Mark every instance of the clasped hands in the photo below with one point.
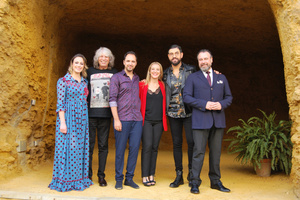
(213, 106)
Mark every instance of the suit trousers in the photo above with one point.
(152, 132)
(176, 125)
(100, 127)
(131, 132)
(213, 137)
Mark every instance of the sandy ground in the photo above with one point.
(242, 180)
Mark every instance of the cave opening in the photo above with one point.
(242, 36)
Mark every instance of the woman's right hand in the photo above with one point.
(63, 128)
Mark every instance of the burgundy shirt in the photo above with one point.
(124, 94)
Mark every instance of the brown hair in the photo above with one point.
(83, 73)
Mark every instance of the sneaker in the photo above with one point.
(131, 183)
(119, 185)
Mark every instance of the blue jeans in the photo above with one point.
(132, 131)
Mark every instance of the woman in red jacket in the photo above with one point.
(153, 106)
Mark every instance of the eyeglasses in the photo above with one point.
(174, 54)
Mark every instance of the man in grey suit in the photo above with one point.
(208, 94)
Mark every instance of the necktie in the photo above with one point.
(208, 78)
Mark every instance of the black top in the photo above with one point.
(154, 105)
(98, 99)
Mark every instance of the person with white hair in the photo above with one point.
(99, 110)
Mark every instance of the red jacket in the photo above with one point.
(143, 97)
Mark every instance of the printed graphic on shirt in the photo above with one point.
(100, 90)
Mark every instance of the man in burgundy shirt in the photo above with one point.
(125, 106)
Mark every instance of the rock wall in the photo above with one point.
(288, 22)
(28, 40)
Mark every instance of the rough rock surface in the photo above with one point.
(288, 19)
(255, 44)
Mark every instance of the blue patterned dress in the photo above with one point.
(71, 159)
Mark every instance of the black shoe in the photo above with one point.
(102, 182)
(151, 180)
(119, 185)
(219, 186)
(188, 176)
(146, 182)
(195, 189)
(178, 180)
(131, 183)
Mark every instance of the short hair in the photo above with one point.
(203, 51)
(83, 72)
(173, 46)
(107, 52)
(130, 52)
(148, 77)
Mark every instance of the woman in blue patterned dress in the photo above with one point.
(71, 159)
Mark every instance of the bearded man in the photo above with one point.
(208, 93)
(178, 112)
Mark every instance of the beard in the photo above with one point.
(175, 61)
(129, 68)
(205, 67)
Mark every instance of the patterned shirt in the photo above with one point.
(99, 83)
(124, 94)
(69, 92)
(176, 106)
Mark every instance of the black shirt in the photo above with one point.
(154, 104)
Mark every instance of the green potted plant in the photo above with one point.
(263, 138)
